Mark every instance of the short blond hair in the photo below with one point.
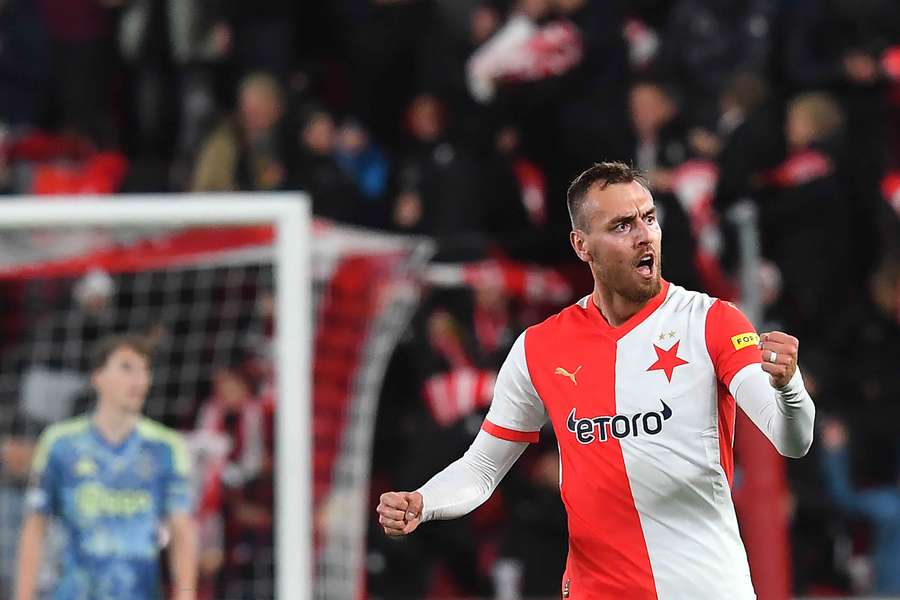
(822, 110)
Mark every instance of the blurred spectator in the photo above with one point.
(806, 188)
(192, 37)
(25, 65)
(838, 45)
(661, 147)
(880, 506)
(862, 350)
(746, 139)
(334, 191)
(247, 151)
(360, 157)
(439, 188)
(81, 40)
(383, 42)
(661, 136)
(263, 35)
(707, 42)
(534, 542)
(240, 487)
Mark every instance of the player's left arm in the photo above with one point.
(180, 521)
(762, 375)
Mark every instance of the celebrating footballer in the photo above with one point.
(640, 381)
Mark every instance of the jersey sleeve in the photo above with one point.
(46, 476)
(731, 340)
(517, 412)
(178, 496)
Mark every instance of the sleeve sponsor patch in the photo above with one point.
(743, 340)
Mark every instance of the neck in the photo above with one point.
(615, 308)
(114, 425)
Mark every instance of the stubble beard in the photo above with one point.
(624, 283)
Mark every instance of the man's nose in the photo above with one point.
(643, 235)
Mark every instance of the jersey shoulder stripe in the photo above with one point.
(156, 432)
(52, 435)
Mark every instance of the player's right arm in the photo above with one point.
(515, 418)
(41, 500)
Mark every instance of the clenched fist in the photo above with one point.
(779, 356)
(400, 512)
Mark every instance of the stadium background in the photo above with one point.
(770, 130)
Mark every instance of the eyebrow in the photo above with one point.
(631, 216)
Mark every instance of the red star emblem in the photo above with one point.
(667, 360)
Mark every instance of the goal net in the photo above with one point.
(274, 388)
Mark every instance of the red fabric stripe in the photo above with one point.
(726, 431)
(510, 435)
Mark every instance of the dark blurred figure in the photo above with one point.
(879, 506)
(660, 148)
(25, 65)
(456, 29)
(248, 151)
(838, 45)
(555, 67)
(383, 41)
(442, 370)
(364, 160)
(806, 188)
(84, 61)
(745, 141)
(706, 42)
(240, 486)
(863, 347)
(335, 194)
(263, 35)
(173, 46)
(534, 543)
(439, 189)
(661, 137)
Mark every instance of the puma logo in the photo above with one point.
(564, 373)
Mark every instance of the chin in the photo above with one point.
(646, 290)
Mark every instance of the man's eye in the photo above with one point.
(621, 227)
(651, 219)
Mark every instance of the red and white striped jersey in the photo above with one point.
(644, 420)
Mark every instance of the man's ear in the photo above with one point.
(578, 241)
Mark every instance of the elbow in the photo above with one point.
(798, 449)
(794, 452)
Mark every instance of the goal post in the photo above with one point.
(289, 215)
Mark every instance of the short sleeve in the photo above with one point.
(517, 413)
(731, 340)
(178, 496)
(44, 484)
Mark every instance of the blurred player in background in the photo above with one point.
(118, 484)
(640, 381)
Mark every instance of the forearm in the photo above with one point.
(183, 557)
(785, 415)
(468, 482)
(30, 547)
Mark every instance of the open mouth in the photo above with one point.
(645, 265)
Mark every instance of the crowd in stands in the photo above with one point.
(464, 120)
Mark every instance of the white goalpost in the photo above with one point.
(290, 256)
